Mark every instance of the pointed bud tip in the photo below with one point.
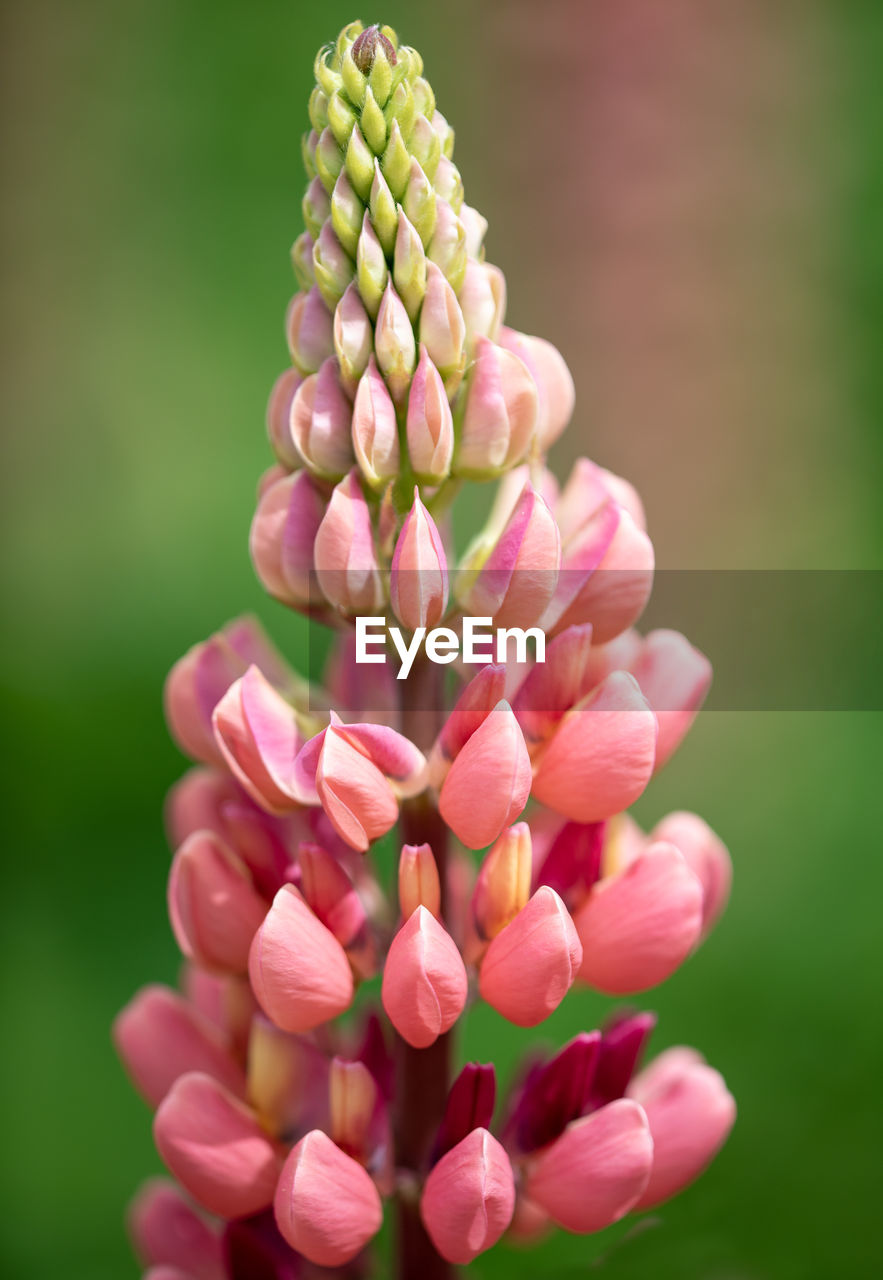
(365, 46)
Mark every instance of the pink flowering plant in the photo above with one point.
(304, 1076)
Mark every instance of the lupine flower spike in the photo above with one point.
(292, 1107)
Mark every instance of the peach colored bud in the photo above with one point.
(353, 338)
(690, 1112)
(166, 1231)
(326, 1205)
(320, 423)
(418, 584)
(674, 678)
(329, 893)
(394, 344)
(256, 730)
(601, 758)
(489, 782)
(354, 793)
(706, 856)
(213, 904)
(469, 1198)
(503, 885)
(424, 980)
(279, 418)
(475, 703)
(215, 1147)
(430, 425)
(419, 884)
(596, 1171)
(483, 301)
(282, 536)
(555, 390)
(500, 414)
(442, 328)
(159, 1036)
(530, 966)
(309, 330)
(299, 971)
(638, 925)
(346, 564)
(518, 578)
(375, 430)
(353, 1097)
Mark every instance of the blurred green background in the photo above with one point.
(687, 198)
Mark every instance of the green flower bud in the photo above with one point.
(373, 123)
(329, 159)
(380, 77)
(396, 162)
(332, 266)
(401, 107)
(424, 97)
(372, 272)
(341, 118)
(359, 164)
(308, 150)
(394, 344)
(419, 202)
(347, 38)
(354, 82)
(409, 267)
(384, 214)
(328, 79)
(318, 109)
(302, 260)
(316, 207)
(425, 146)
(347, 212)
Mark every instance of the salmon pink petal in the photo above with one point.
(530, 966)
(262, 764)
(489, 782)
(354, 793)
(469, 1198)
(674, 678)
(167, 1231)
(424, 980)
(419, 576)
(706, 855)
(214, 907)
(326, 1205)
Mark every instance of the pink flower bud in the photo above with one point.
(552, 687)
(500, 414)
(489, 782)
(639, 924)
(606, 575)
(690, 1112)
(215, 1147)
(344, 551)
(309, 330)
(601, 758)
(256, 730)
(375, 430)
(167, 1231)
(213, 904)
(409, 265)
(329, 893)
(424, 980)
(279, 418)
(326, 1205)
(530, 966)
(447, 249)
(332, 265)
(159, 1037)
(469, 1198)
(503, 885)
(353, 337)
(483, 300)
(475, 227)
(353, 1098)
(419, 884)
(674, 678)
(596, 1171)
(299, 971)
(394, 344)
(518, 578)
(555, 390)
(706, 856)
(283, 533)
(442, 328)
(430, 424)
(194, 803)
(418, 586)
(475, 703)
(320, 423)
(194, 686)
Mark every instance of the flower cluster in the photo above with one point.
(289, 1101)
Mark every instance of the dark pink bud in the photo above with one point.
(470, 1105)
(556, 1093)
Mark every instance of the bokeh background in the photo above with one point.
(687, 198)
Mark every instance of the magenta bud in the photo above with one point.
(309, 330)
(213, 904)
(500, 414)
(572, 862)
(622, 1044)
(530, 966)
(214, 1146)
(469, 1198)
(424, 980)
(375, 429)
(279, 418)
(418, 586)
(168, 1232)
(320, 423)
(430, 425)
(160, 1036)
(346, 564)
(326, 1205)
(282, 536)
(556, 1093)
(470, 1105)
